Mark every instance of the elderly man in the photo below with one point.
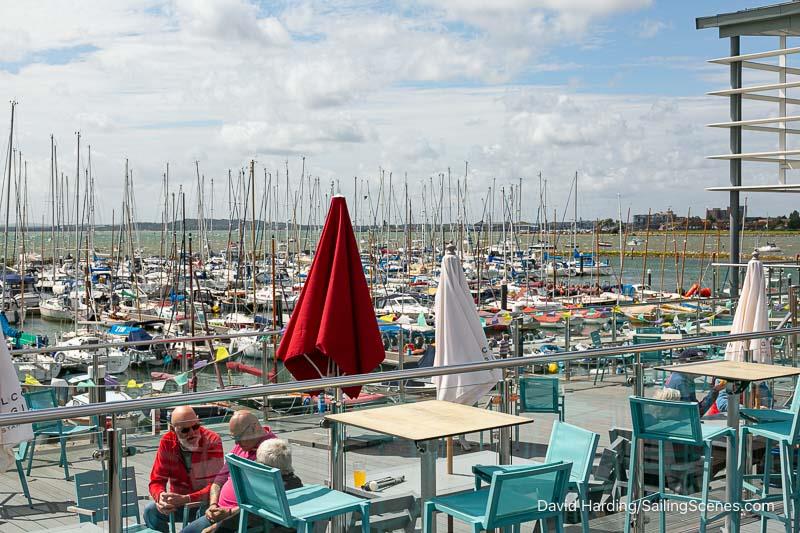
(247, 434)
(189, 457)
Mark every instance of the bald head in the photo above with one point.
(183, 414)
(246, 429)
(186, 426)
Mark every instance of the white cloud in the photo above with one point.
(649, 28)
(353, 88)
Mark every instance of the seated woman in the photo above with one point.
(272, 452)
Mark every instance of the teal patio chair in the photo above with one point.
(677, 423)
(781, 427)
(19, 456)
(657, 357)
(91, 496)
(568, 444)
(601, 362)
(259, 491)
(46, 399)
(526, 494)
(540, 394)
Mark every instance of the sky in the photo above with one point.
(613, 90)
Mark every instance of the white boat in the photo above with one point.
(41, 367)
(769, 247)
(115, 361)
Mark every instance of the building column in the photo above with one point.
(735, 167)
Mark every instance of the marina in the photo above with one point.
(420, 267)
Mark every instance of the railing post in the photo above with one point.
(614, 325)
(401, 361)
(637, 484)
(518, 352)
(793, 309)
(97, 393)
(265, 375)
(114, 481)
(336, 459)
(567, 343)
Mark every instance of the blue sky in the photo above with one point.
(612, 89)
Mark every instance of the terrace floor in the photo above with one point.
(597, 408)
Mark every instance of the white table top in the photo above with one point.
(427, 420)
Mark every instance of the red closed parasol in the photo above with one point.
(333, 331)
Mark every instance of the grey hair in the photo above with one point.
(276, 453)
(667, 394)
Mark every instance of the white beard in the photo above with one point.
(188, 446)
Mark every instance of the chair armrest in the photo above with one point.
(81, 511)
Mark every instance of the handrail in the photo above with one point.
(147, 404)
(125, 344)
(228, 336)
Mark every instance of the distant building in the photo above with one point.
(656, 219)
(721, 214)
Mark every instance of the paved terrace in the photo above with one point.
(597, 408)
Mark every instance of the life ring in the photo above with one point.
(693, 289)
(408, 348)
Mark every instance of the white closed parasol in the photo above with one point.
(11, 401)
(459, 337)
(751, 315)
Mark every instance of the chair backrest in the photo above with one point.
(538, 394)
(525, 494)
(43, 399)
(794, 408)
(572, 444)
(91, 493)
(665, 420)
(259, 487)
(655, 355)
(650, 329)
(596, 341)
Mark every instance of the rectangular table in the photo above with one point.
(735, 373)
(425, 423)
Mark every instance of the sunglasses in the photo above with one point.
(244, 435)
(187, 429)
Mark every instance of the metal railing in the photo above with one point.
(336, 466)
(253, 391)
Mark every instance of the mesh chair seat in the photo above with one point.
(778, 431)
(716, 432)
(67, 430)
(465, 505)
(311, 500)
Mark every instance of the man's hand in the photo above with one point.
(215, 513)
(719, 385)
(174, 499)
(163, 505)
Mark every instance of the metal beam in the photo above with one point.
(755, 88)
(768, 98)
(739, 155)
(770, 68)
(735, 166)
(794, 188)
(770, 120)
(757, 55)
